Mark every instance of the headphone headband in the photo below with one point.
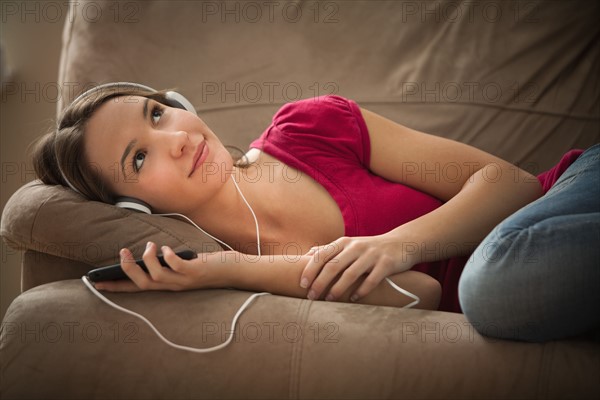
(173, 99)
(117, 86)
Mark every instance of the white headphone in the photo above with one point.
(173, 99)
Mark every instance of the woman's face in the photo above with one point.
(167, 157)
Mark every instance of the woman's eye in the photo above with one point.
(157, 112)
(138, 160)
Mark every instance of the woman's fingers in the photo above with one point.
(320, 255)
(376, 274)
(327, 275)
(352, 273)
(155, 269)
(157, 278)
(133, 270)
(339, 265)
(176, 263)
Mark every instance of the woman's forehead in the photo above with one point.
(109, 129)
(117, 112)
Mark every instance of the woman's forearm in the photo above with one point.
(281, 274)
(458, 226)
(270, 273)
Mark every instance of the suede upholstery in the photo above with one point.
(517, 79)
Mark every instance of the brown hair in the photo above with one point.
(60, 154)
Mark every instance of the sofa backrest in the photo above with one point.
(517, 79)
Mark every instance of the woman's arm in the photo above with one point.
(479, 191)
(273, 274)
(281, 274)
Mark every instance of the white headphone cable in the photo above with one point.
(240, 310)
(86, 281)
(247, 303)
(253, 215)
(216, 239)
(405, 292)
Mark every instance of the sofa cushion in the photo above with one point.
(59, 222)
(284, 348)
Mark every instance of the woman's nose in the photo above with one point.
(179, 141)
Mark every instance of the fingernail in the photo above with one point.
(329, 297)
(312, 295)
(163, 248)
(148, 244)
(304, 283)
(354, 297)
(123, 254)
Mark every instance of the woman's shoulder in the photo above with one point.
(316, 112)
(329, 125)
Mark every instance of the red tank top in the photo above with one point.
(326, 137)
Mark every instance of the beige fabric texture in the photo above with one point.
(284, 348)
(517, 79)
(57, 225)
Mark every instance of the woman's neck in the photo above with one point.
(228, 217)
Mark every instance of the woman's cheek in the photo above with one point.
(159, 188)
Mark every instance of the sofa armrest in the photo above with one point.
(40, 268)
(65, 235)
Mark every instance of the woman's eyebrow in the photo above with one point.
(126, 153)
(145, 108)
(134, 141)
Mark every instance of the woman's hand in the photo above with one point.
(348, 258)
(182, 274)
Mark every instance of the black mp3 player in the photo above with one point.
(115, 272)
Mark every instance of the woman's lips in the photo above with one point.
(199, 157)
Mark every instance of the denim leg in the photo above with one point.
(536, 276)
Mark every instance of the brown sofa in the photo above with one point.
(517, 79)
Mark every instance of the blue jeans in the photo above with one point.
(536, 276)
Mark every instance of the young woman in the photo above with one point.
(356, 196)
